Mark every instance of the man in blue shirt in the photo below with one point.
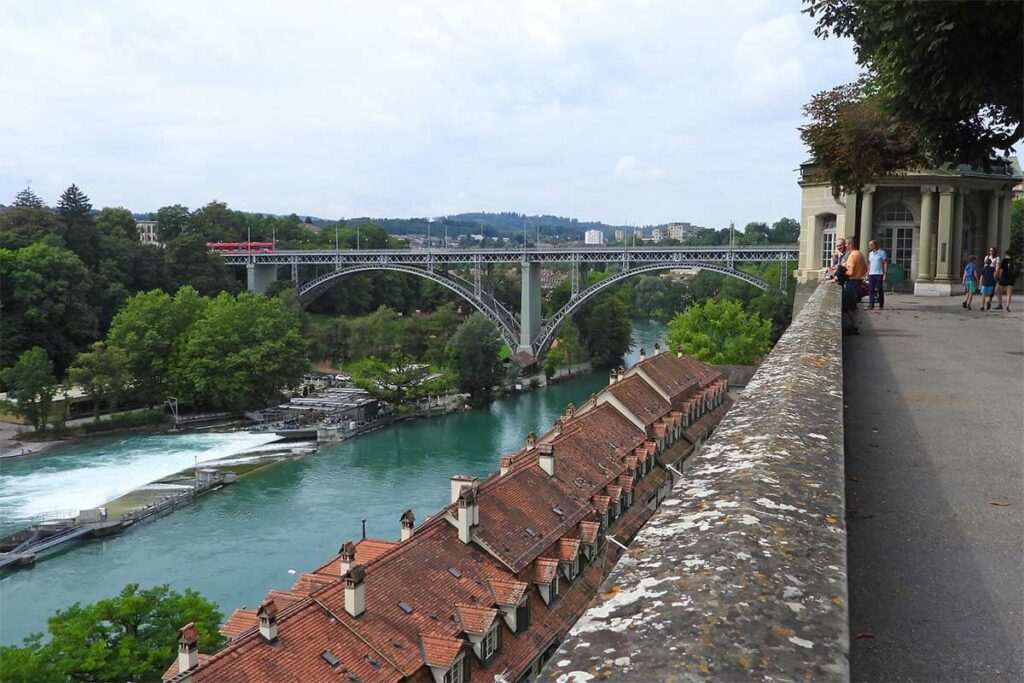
(878, 268)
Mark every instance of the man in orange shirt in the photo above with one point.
(856, 271)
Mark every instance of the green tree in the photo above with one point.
(570, 341)
(1017, 229)
(102, 373)
(172, 222)
(398, 380)
(554, 359)
(239, 353)
(377, 334)
(475, 349)
(718, 331)
(75, 212)
(947, 75)
(608, 330)
(46, 294)
(148, 330)
(27, 199)
(190, 263)
(117, 222)
(129, 637)
(32, 384)
(784, 231)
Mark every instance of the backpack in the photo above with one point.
(1010, 271)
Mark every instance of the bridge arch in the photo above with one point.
(485, 303)
(551, 325)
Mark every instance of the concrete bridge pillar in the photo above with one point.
(259, 277)
(529, 312)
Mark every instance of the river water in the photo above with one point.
(236, 544)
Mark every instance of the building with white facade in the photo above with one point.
(928, 221)
(147, 232)
(593, 237)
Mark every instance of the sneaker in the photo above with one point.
(964, 304)
(999, 307)
(988, 305)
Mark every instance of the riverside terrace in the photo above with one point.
(489, 585)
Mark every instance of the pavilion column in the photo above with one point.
(956, 257)
(847, 222)
(944, 250)
(1003, 242)
(993, 219)
(925, 259)
(867, 213)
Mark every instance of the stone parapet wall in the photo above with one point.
(741, 574)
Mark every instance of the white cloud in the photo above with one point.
(411, 108)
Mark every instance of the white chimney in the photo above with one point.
(558, 427)
(643, 354)
(570, 411)
(347, 557)
(458, 481)
(531, 440)
(469, 514)
(657, 348)
(188, 647)
(355, 595)
(679, 354)
(612, 377)
(547, 459)
(267, 615)
(505, 464)
(407, 522)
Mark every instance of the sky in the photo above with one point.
(625, 111)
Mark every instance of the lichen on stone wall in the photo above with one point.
(741, 574)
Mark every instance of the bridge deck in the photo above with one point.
(936, 493)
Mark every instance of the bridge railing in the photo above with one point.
(741, 574)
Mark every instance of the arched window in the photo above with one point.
(895, 231)
(828, 239)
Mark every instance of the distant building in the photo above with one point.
(658, 235)
(620, 235)
(147, 232)
(485, 589)
(680, 231)
(593, 237)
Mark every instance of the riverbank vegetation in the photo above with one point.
(129, 637)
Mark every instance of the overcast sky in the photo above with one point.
(622, 111)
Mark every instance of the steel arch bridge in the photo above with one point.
(526, 332)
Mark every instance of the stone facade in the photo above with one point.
(965, 210)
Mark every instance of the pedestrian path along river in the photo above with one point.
(237, 544)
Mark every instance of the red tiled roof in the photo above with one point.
(241, 620)
(475, 619)
(614, 492)
(588, 531)
(568, 549)
(508, 592)
(640, 398)
(440, 651)
(658, 430)
(172, 670)
(602, 503)
(370, 549)
(545, 569)
(626, 482)
(310, 583)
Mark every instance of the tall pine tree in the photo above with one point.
(80, 232)
(27, 199)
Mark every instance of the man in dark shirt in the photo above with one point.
(1006, 277)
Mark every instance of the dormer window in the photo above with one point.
(490, 644)
(456, 674)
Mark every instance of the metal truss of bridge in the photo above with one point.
(470, 274)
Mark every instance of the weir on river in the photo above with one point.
(237, 544)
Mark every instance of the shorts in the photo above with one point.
(987, 290)
(1004, 289)
(970, 287)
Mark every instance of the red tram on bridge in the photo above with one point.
(241, 247)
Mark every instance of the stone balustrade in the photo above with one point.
(741, 575)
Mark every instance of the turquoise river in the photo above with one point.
(236, 544)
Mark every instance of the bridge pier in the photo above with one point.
(259, 277)
(529, 312)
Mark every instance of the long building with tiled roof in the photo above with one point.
(489, 585)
